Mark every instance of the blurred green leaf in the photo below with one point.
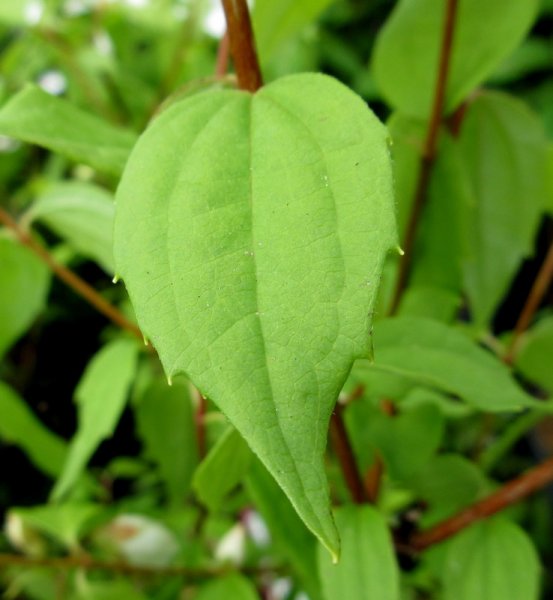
(63, 522)
(101, 396)
(233, 587)
(504, 149)
(431, 302)
(532, 55)
(222, 469)
(406, 55)
(82, 214)
(367, 569)
(431, 354)
(166, 424)
(275, 22)
(243, 310)
(116, 589)
(290, 536)
(21, 427)
(533, 359)
(36, 117)
(492, 560)
(24, 285)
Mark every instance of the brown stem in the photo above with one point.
(429, 153)
(510, 493)
(242, 45)
(90, 564)
(70, 278)
(373, 477)
(539, 288)
(223, 52)
(346, 458)
(200, 424)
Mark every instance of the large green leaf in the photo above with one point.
(427, 353)
(101, 396)
(19, 426)
(24, 284)
(250, 231)
(274, 22)
(36, 117)
(367, 569)
(222, 469)
(407, 50)
(493, 560)
(82, 214)
(166, 424)
(504, 148)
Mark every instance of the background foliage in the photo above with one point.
(114, 484)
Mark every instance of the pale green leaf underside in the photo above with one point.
(250, 231)
(406, 55)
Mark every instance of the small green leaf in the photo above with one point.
(19, 426)
(493, 560)
(290, 536)
(266, 324)
(101, 396)
(407, 51)
(63, 522)
(533, 359)
(431, 354)
(166, 424)
(222, 469)
(116, 589)
(24, 284)
(235, 587)
(430, 302)
(504, 149)
(36, 117)
(274, 22)
(367, 569)
(82, 214)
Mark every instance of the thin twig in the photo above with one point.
(70, 278)
(242, 45)
(64, 563)
(538, 291)
(512, 492)
(223, 55)
(373, 477)
(346, 458)
(429, 153)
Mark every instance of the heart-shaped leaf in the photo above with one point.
(250, 231)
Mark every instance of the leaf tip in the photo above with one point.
(116, 278)
(400, 251)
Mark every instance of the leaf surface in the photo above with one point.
(492, 560)
(407, 50)
(36, 117)
(367, 569)
(24, 285)
(82, 214)
(250, 231)
(101, 395)
(234, 586)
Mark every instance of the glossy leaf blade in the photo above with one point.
(24, 284)
(101, 396)
(492, 561)
(36, 117)
(250, 231)
(407, 51)
(367, 569)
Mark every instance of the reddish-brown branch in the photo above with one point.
(64, 563)
(200, 424)
(242, 46)
(538, 291)
(346, 458)
(223, 55)
(70, 278)
(510, 493)
(429, 153)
